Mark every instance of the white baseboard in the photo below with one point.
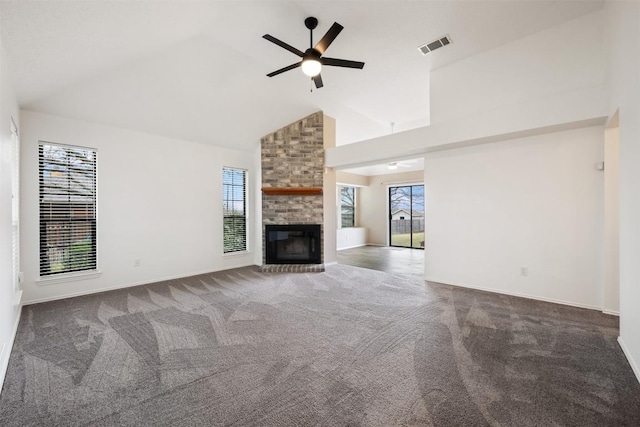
(611, 312)
(17, 298)
(632, 362)
(128, 285)
(5, 354)
(516, 294)
(351, 247)
(4, 365)
(375, 244)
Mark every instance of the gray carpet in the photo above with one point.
(346, 347)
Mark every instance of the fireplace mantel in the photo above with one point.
(291, 191)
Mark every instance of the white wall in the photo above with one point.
(552, 79)
(9, 313)
(329, 195)
(353, 179)
(159, 200)
(611, 237)
(351, 237)
(257, 200)
(374, 203)
(561, 59)
(534, 202)
(623, 43)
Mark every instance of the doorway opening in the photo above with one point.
(406, 216)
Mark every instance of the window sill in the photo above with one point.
(67, 277)
(239, 253)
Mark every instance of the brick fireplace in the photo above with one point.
(293, 180)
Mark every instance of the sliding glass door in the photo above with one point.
(406, 216)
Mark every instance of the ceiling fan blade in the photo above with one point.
(341, 63)
(283, 45)
(282, 70)
(318, 81)
(328, 38)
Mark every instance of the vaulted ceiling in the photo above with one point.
(195, 70)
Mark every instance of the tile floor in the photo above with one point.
(390, 259)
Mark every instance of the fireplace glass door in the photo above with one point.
(292, 244)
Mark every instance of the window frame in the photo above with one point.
(354, 197)
(244, 218)
(68, 273)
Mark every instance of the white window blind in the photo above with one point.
(67, 209)
(15, 204)
(234, 200)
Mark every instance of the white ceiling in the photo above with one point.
(195, 70)
(406, 165)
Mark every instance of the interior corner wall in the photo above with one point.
(353, 179)
(564, 58)
(622, 36)
(159, 201)
(533, 203)
(374, 204)
(9, 313)
(256, 222)
(329, 195)
(611, 237)
(548, 79)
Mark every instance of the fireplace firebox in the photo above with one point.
(293, 244)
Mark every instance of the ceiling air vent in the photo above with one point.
(436, 44)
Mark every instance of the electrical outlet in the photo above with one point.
(524, 271)
(136, 262)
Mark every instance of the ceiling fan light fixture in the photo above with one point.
(312, 59)
(311, 67)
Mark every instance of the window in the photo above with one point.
(15, 204)
(347, 206)
(67, 209)
(234, 201)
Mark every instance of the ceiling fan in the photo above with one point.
(395, 165)
(312, 59)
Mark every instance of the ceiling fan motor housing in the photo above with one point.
(311, 53)
(311, 23)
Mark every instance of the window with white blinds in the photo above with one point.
(234, 201)
(67, 209)
(15, 204)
